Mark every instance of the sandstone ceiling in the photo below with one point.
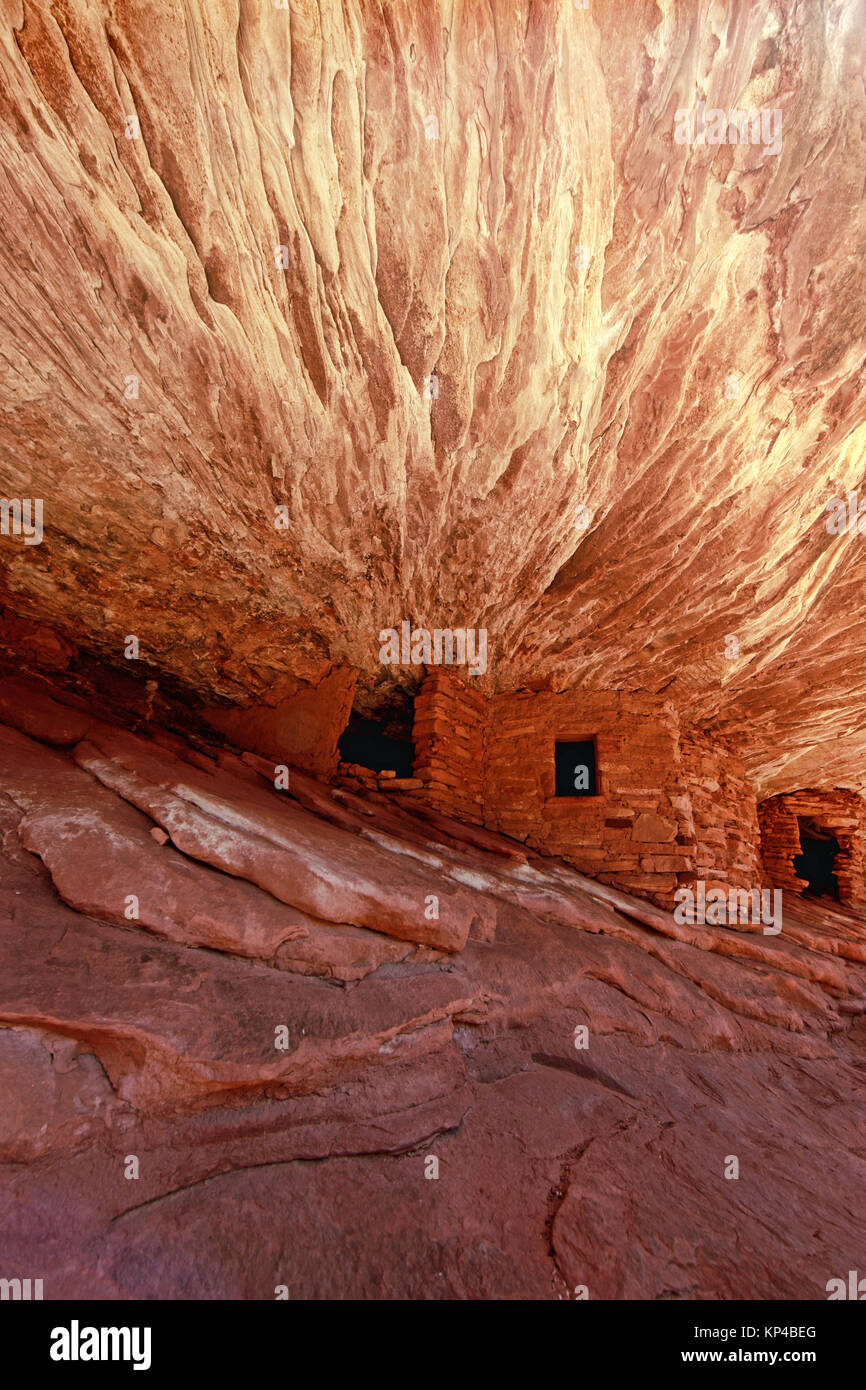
(649, 356)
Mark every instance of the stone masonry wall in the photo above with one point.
(636, 833)
(671, 807)
(448, 733)
(841, 812)
(725, 813)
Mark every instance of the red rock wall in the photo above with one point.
(448, 733)
(671, 808)
(304, 729)
(842, 812)
(724, 811)
(635, 833)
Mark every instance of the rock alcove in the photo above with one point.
(324, 321)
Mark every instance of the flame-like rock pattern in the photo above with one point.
(317, 317)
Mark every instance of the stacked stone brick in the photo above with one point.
(673, 805)
(631, 833)
(840, 812)
(359, 778)
(724, 813)
(448, 733)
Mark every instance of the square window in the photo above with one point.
(575, 768)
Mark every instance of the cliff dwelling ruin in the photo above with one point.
(432, 696)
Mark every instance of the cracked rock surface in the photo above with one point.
(284, 1078)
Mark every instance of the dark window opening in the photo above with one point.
(364, 742)
(575, 768)
(816, 862)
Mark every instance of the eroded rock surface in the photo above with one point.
(281, 1077)
(240, 242)
(322, 317)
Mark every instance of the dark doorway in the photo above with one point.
(575, 768)
(817, 860)
(364, 742)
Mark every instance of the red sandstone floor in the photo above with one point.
(304, 1167)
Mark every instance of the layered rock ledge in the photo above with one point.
(283, 1004)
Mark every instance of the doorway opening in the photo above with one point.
(371, 743)
(817, 860)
